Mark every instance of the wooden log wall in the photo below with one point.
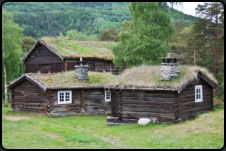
(95, 65)
(84, 101)
(94, 102)
(107, 66)
(64, 109)
(148, 104)
(42, 56)
(28, 97)
(187, 107)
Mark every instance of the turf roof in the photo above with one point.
(142, 77)
(147, 77)
(73, 49)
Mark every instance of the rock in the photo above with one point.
(110, 123)
(144, 121)
(204, 115)
(153, 120)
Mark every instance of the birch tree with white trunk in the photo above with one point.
(11, 49)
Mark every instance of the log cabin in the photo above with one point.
(140, 93)
(62, 93)
(58, 54)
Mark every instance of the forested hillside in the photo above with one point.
(40, 19)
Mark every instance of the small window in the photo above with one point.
(198, 93)
(64, 97)
(107, 96)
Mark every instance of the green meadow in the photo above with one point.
(90, 131)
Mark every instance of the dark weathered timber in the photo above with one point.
(205, 108)
(24, 98)
(192, 98)
(154, 94)
(150, 110)
(164, 107)
(43, 60)
(43, 55)
(138, 104)
(95, 102)
(148, 102)
(114, 103)
(147, 115)
(188, 108)
(150, 99)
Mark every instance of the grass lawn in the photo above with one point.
(90, 131)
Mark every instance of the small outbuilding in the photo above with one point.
(61, 94)
(58, 55)
(140, 92)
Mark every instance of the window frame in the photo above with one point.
(201, 93)
(106, 92)
(64, 102)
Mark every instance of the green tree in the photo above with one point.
(28, 42)
(208, 32)
(145, 36)
(75, 35)
(110, 34)
(11, 49)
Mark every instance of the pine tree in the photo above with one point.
(211, 27)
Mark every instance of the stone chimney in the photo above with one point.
(169, 67)
(82, 71)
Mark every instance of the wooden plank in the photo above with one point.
(31, 110)
(149, 106)
(31, 104)
(192, 99)
(148, 103)
(94, 97)
(67, 105)
(193, 102)
(147, 94)
(205, 108)
(150, 110)
(206, 95)
(66, 109)
(151, 99)
(195, 105)
(137, 116)
(192, 88)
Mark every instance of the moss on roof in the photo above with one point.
(135, 78)
(148, 77)
(71, 49)
(68, 79)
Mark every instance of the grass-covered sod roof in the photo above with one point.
(148, 77)
(72, 49)
(68, 79)
(142, 77)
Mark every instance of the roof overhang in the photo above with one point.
(44, 44)
(22, 78)
(74, 87)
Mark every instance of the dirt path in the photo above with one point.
(15, 118)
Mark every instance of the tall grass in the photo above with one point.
(90, 131)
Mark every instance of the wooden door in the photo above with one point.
(114, 103)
